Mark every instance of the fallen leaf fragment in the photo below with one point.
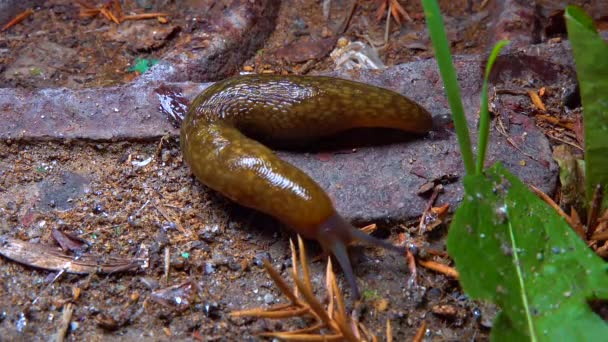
(69, 242)
(178, 297)
(50, 258)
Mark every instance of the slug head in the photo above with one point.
(336, 233)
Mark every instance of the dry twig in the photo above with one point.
(112, 11)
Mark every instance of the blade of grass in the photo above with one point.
(448, 75)
(484, 113)
(589, 50)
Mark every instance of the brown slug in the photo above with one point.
(217, 143)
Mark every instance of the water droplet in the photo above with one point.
(482, 235)
(476, 313)
(500, 214)
(539, 256)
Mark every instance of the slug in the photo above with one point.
(217, 141)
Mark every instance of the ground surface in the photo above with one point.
(133, 197)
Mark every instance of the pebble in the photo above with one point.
(209, 268)
(259, 258)
(212, 310)
(268, 298)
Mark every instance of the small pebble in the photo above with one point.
(233, 265)
(433, 294)
(209, 268)
(259, 258)
(98, 209)
(212, 310)
(150, 283)
(268, 298)
(74, 326)
(165, 156)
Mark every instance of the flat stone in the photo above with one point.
(232, 31)
(378, 182)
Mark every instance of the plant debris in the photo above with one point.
(49, 258)
(112, 10)
(331, 322)
(393, 8)
(17, 19)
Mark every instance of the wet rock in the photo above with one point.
(230, 34)
(515, 21)
(306, 48)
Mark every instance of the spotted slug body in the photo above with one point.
(217, 140)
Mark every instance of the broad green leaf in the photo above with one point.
(590, 53)
(516, 251)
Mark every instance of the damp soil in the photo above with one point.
(130, 199)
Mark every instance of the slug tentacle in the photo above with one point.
(217, 142)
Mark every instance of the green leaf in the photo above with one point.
(484, 113)
(448, 75)
(513, 249)
(590, 53)
(142, 65)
